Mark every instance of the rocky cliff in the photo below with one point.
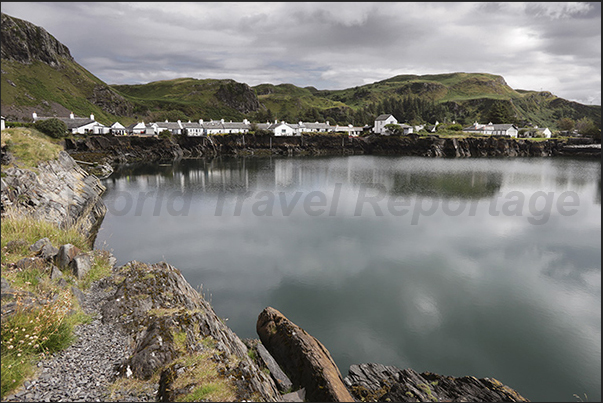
(60, 192)
(115, 150)
(24, 42)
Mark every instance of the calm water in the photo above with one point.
(483, 267)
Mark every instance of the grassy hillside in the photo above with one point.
(46, 90)
(182, 98)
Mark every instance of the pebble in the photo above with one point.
(84, 370)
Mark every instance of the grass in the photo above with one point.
(30, 147)
(35, 331)
(202, 379)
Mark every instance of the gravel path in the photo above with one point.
(82, 372)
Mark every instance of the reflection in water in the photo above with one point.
(228, 174)
(489, 293)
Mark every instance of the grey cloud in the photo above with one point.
(330, 45)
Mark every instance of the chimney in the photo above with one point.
(200, 121)
(71, 116)
(34, 115)
(221, 120)
(91, 117)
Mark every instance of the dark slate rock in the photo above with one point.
(282, 381)
(376, 382)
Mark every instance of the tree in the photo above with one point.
(394, 129)
(165, 134)
(566, 124)
(587, 127)
(500, 112)
(52, 127)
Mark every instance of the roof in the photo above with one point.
(383, 117)
(71, 123)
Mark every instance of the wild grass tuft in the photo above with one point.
(35, 330)
(29, 146)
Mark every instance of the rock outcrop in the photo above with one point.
(380, 383)
(303, 358)
(155, 305)
(60, 192)
(238, 96)
(24, 42)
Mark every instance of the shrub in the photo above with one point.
(52, 127)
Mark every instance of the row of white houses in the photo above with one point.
(507, 130)
(77, 125)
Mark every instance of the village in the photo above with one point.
(384, 125)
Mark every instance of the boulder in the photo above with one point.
(80, 265)
(302, 357)
(65, 255)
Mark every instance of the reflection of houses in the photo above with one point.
(386, 119)
(535, 131)
(491, 129)
(77, 125)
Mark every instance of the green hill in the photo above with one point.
(39, 75)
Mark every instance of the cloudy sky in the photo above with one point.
(535, 46)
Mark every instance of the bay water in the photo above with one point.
(489, 267)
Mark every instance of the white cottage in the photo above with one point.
(283, 129)
(382, 121)
(491, 129)
(77, 125)
(118, 129)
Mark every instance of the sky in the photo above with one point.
(543, 46)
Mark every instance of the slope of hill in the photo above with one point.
(39, 74)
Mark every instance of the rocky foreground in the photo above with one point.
(147, 318)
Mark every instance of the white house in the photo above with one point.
(194, 129)
(137, 129)
(118, 129)
(316, 127)
(382, 121)
(349, 129)
(173, 127)
(236, 127)
(283, 129)
(536, 132)
(77, 125)
(504, 129)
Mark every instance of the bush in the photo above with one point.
(52, 127)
